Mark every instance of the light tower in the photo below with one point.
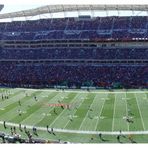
(1, 7)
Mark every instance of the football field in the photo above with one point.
(77, 116)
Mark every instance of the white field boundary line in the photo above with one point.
(75, 98)
(84, 91)
(79, 131)
(126, 111)
(100, 114)
(87, 113)
(140, 112)
(114, 113)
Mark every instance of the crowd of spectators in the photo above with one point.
(75, 75)
(75, 53)
(63, 28)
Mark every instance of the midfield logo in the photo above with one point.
(60, 105)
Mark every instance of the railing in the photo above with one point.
(77, 61)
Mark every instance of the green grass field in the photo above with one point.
(90, 113)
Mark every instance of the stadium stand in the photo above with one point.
(99, 52)
(85, 52)
(100, 27)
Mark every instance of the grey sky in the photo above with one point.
(13, 7)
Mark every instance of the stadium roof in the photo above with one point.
(70, 8)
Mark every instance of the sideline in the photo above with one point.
(80, 131)
(91, 91)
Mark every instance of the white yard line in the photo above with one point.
(74, 113)
(99, 115)
(140, 112)
(14, 99)
(63, 111)
(57, 96)
(78, 131)
(126, 111)
(87, 113)
(114, 113)
(40, 95)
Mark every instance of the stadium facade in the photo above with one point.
(75, 52)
